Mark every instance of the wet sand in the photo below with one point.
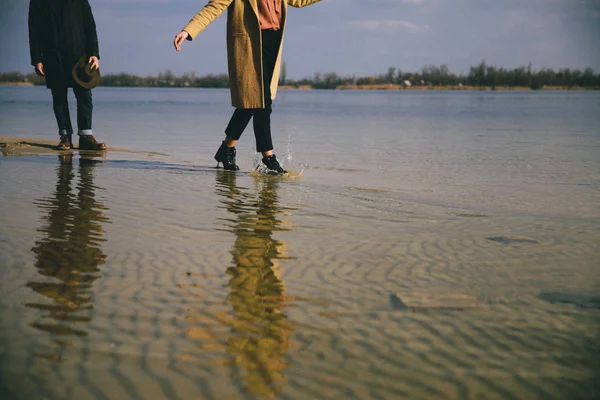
(11, 145)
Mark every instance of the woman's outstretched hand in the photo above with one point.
(181, 36)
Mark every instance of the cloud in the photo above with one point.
(387, 25)
(136, 35)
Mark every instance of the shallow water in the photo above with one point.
(430, 245)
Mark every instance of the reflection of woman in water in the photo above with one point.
(70, 253)
(259, 329)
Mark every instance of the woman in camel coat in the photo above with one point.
(255, 31)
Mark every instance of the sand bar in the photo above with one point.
(21, 146)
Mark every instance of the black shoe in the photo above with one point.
(226, 155)
(273, 166)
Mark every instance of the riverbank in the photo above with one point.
(16, 84)
(396, 87)
(457, 87)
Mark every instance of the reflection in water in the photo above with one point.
(67, 258)
(258, 330)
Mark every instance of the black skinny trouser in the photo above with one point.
(262, 116)
(61, 107)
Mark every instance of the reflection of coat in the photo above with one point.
(243, 46)
(60, 33)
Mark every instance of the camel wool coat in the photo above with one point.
(244, 46)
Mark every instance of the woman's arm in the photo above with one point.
(208, 14)
(301, 3)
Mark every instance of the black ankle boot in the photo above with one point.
(226, 155)
(273, 166)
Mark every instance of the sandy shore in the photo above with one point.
(17, 84)
(19, 146)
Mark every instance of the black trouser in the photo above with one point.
(84, 108)
(262, 116)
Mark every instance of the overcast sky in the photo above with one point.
(350, 37)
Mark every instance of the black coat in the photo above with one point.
(60, 33)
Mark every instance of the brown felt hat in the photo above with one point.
(84, 75)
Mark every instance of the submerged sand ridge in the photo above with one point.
(231, 285)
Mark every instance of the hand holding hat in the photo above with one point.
(94, 63)
(87, 74)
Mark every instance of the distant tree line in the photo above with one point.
(164, 79)
(479, 76)
(482, 75)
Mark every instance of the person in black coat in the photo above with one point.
(60, 33)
